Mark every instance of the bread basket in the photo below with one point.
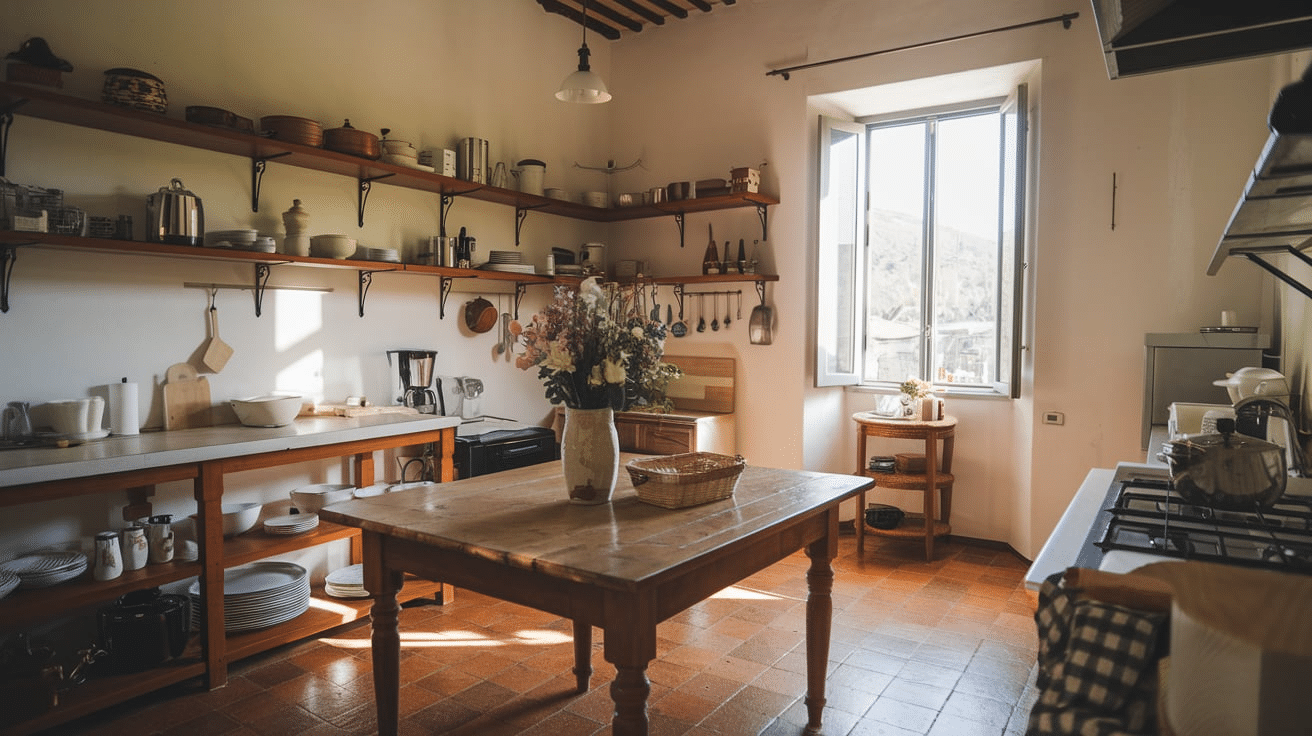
(687, 479)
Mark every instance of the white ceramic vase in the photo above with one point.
(590, 455)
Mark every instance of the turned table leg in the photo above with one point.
(582, 654)
(386, 635)
(819, 619)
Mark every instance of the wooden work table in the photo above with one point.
(623, 566)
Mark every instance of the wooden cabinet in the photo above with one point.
(201, 457)
(670, 434)
(937, 475)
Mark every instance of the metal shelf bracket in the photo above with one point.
(1252, 255)
(678, 220)
(262, 271)
(445, 290)
(520, 288)
(760, 213)
(8, 255)
(367, 280)
(521, 212)
(678, 295)
(257, 176)
(449, 198)
(6, 120)
(362, 197)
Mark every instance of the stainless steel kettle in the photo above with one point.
(175, 216)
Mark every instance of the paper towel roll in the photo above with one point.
(123, 408)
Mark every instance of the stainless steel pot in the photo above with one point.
(1226, 471)
(175, 216)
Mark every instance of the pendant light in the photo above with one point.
(582, 85)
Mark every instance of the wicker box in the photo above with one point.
(687, 479)
(910, 462)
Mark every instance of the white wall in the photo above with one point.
(691, 101)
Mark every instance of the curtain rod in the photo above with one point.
(1065, 20)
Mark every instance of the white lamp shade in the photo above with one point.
(583, 86)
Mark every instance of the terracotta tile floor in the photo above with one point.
(941, 648)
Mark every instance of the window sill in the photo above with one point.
(962, 392)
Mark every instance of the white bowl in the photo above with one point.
(240, 517)
(267, 411)
(1247, 382)
(332, 246)
(308, 499)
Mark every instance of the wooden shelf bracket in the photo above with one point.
(257, 176)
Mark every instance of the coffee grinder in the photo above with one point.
(413, 374)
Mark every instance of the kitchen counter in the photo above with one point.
(1064, 544)
(117, 454)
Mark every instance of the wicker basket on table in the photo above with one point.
(688, 479)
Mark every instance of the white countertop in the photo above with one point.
(1062, 547)
(117, 454)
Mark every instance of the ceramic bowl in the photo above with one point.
(308, 499)
(267, 411)
(240, 517)
(332, 246)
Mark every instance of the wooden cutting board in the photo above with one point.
(186, 398)
(707, 384)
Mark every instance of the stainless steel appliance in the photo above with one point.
(175, 216)
(413, 375)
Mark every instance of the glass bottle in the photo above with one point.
(711, 260)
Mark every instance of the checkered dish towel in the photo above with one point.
(1097, 666)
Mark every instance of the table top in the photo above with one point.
(161, 449)
(523, 519)
(869, 417)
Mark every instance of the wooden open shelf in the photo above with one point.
(912, 527)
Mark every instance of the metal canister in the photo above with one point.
(471, 160)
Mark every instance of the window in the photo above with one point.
(919, 247)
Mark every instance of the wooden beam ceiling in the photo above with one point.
(613, 18)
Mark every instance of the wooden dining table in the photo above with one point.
(622, 566)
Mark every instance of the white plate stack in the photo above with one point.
(348, 582)
(507, 260)
(387, 255)
(258, 595)
(239, 239)
(8, 581)
(291, 524)
(44, 569)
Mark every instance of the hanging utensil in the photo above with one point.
(739, 295)
(701, 319)
(680, 328)
(727, 306)
(217, 352)
(715, 311)
(655, 308)
(760, 326)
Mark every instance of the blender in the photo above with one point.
(413, 376)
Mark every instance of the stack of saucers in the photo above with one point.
(44, 569)
(240, 239)
(291, 524)
(505, 256)
(8, 581)
(258, 595)
(365, 253)
(348, 582)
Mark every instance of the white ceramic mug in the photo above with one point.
(109, 558)
(136, 550)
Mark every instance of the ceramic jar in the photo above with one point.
(590, 455)
(159, 534)
(136, 549)
(108, 557)
(297, 223)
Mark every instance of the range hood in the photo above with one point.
(1144, 36)
(1274, 215)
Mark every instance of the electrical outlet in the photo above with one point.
(1054, 417)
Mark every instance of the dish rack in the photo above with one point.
(687, 479)
(37, 209)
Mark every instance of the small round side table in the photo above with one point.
(936, 476)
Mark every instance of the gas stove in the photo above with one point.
(1142, 520)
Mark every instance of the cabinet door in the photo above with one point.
(666, 439)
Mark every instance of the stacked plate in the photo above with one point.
(258, 595)
(509, 267)
(44, 569)
(8, 581)
(365, 253)
(241, 239)
(347, 582)
(291, 524)
(505, 256)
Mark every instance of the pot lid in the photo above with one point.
(1226, 440)
(531, 162)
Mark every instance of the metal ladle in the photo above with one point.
(701, 320)
(715, 312)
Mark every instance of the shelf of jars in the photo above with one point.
(37, 102)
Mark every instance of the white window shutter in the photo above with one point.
(841, 261)
(1011, 241)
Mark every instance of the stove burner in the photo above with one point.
(1145, 515)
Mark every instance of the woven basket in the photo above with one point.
(689, 479)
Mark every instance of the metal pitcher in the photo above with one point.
(16, 421)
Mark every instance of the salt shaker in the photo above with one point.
(136, 549)
(109, 558)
